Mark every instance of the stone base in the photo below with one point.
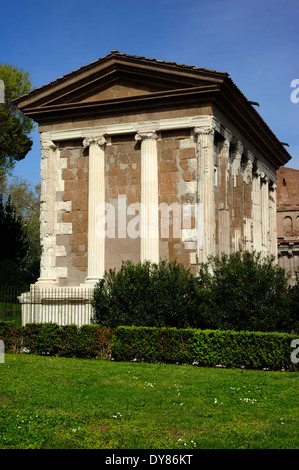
(61, 305)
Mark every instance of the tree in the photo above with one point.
(15, 127)
(13, 237)
(25, 198)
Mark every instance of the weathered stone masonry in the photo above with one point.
(288, 220)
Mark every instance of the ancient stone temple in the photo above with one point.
(143, 159)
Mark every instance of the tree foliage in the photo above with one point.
(25, 198)
(15, 126)
(13, 236)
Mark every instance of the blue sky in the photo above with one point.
(256, 42)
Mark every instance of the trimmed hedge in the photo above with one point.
(251, 350)
(87, 341)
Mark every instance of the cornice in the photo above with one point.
(127, 103)
(251, 125)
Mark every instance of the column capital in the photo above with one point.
(46, 142)
(204, 134)
(272, 186)
(249, 165)
(226, 144)
(204, 130)
(146, 135)
(258, 173)
(95, 139)
(238, 148)
(266, 179)
(226, 133)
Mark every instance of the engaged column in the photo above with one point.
(149, 242)
(96, 208)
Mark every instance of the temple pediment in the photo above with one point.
(115, 77)
(120, 89)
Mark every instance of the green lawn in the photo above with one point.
(62, 403)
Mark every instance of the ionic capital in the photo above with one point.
(227, 135)
(201, 131)
(146, 135)
(226, 145)
(46, 142)
(96, 139)
(202, 135)
(272, 186)
(265, 179)
(258, 173)
(238, 148)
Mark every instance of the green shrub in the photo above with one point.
(87, 341)
(146, 294)
(96, 341)
(252, 350)
(67, 341)
(245, 291)
(41, 338)
(241, 292)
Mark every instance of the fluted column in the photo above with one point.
(149, 239)
(248, 224)
(257, 216)
(48, 215)
(265, 213)
(96, 208)
(236, 160)
(205, 191)
(224, 213)
(272, 221)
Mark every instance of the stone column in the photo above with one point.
(224, 217)
(96, 208)
(205, 191)
(272, 221)
(236, 160)
(256, 210)
(48, 216)
(149, 240)
(247, 218)
(265, 213)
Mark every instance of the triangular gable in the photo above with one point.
(115, 76)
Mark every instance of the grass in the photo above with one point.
(63, 403)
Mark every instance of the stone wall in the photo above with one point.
(122, 187)
(288, 220)
(177, 187)
(75, 182)
(288, 203)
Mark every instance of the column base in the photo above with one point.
(90, 282)
(61, 305)
(46, 282)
